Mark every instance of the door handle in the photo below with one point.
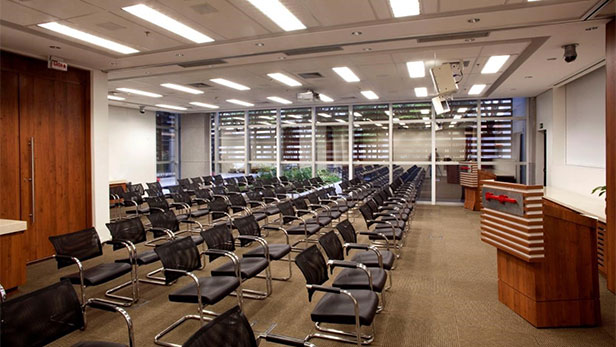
(32, 181)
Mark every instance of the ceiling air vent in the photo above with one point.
(110, 26)
(205, 62)
(309, 75)
(204, 8)
(454, 36)
(312, 50)
(199, 85)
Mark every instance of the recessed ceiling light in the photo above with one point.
(356, 33)
(279, 100)
(470, 39)
(282, 58)
(282, 78)
(494, 64)
(116, 98)
(89, 38)
(528, 77)
(151, 15)
(370, 95)
(476, 89)
(240, 102)
(201, 104)
(367, 49)
(347, 74)
(179, 55)
(279, 14)
(421, 92)
(139, 92)
(325, 98)
(404, 8)
(259, 44)
(417, 69)
(171, 107)
(229, 84)
(473, 20)
(181, 88)
(55, 47)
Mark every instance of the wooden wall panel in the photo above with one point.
(610, 116)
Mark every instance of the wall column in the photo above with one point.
(99, 137)
(610, 138)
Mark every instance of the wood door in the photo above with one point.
(12, 260)
(54, 153)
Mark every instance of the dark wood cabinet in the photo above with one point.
(45, 152)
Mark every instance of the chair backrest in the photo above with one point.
(165, 220)
(156, 188)
(205, 194)
(218, 180)
(254, 195)
(219, 190)
(250, 179)
(83, 245)
(117, 190)
(247, 225)
(197, 180)
(132, 196)
(179, 254)
(366, 212)
(268, 193)
(233, 188)
(207, 180)
(174, 189)
(184, 183)
(137, 188)
(300, 204)
(130, 229)
(230, 329)
(157, 202)
(218, 237)
(38, 318)
(346, 230)
(217, 206)
(312, 264)
(313, 198)
(280, 190)
(182, 196)
(237, 199)
(332, 246)
(286, 210)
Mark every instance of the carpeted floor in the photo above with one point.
(444, 294)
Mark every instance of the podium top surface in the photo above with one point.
(584, 204)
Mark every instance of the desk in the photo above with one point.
(12, 256)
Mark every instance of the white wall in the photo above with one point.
(132, 145)
(195, 148)
(100, 153)
(552, 112)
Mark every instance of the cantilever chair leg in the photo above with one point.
(290, 271)
(356, 338)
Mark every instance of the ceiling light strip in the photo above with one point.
(89, 38)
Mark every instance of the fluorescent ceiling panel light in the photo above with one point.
(229, 84)
(282, 78)
(494, 64)
(325, 98)
(404, 8)
(347, 74)
(139, 92)
(240, 102)
(458, 116)
(476, 89)
(116, 98)
(89, 38)
(417, 69)
(181, 88)
(279, 100)
(151, 15)
(325, 115)
(463, 109)
(370, 95)
(421, 92)
(357, 114)
(171, 107)
(425, 111)
(201, 104)
(279, 14)
(340, 120)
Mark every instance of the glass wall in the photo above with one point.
(167, 147)
(333, 141)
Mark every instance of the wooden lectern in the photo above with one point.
(546, 255)
(470, 178)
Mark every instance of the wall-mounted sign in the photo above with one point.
(56, 63)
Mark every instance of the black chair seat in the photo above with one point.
(249, 267)
(299, 229)
(389, 234)
(147, 257)
(320, 220)
(199, 213)
(98, 344)
(259, 216)
(340, 208)
(396, 223)
(100, 273)
(276, 251)
(144, 210)
(272, 210)
(197, 239)
(357, 279)
(181, 217)
(213, 289)
(339, 308)
(370, 259)
(333, 214)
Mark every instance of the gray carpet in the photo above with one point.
(444, 294)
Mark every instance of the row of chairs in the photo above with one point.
(180, 256)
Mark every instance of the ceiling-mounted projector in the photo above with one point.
(444, 80)
(308, 95)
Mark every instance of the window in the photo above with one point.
(371, 142)
(231, 147)
(167, 149)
